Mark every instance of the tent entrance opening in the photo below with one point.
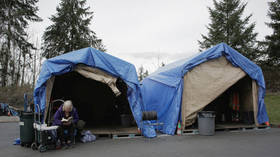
(217, 85)
(96, 103)
(235, 106)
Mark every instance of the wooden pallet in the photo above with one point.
(228, 127)
(120, 136)
(190, 132)
(239, 127)
(116, 132)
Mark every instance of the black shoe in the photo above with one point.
(69, 144)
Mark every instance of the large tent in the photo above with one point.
(92, 80)
(180, 90)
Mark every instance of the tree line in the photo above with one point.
(20, 58)
(229, 25)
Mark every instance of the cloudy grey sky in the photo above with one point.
(148, 32)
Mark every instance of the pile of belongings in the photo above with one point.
(87, 136)
(6, 110)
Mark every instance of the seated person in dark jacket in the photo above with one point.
(66, 117)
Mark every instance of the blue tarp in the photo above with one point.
(91, 57)
(162, 90)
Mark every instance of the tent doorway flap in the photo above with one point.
(98, 75)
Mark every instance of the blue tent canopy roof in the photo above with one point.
(91, 57)
(169, 81)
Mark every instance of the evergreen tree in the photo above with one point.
(70, 29)
(273, 40)
(142, 73)
(14, 18)
(227, 25)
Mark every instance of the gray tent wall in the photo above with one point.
(207, 81)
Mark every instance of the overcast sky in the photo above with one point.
(148, 32)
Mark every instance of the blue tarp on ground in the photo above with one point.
(162, 90)
(89, 56)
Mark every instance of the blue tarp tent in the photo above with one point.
(93, 58)
(162, 90)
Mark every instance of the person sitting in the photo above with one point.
(66, 117)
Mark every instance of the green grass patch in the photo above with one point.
(272, 101)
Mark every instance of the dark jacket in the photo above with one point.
(59, 114)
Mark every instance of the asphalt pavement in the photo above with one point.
(253, 143)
